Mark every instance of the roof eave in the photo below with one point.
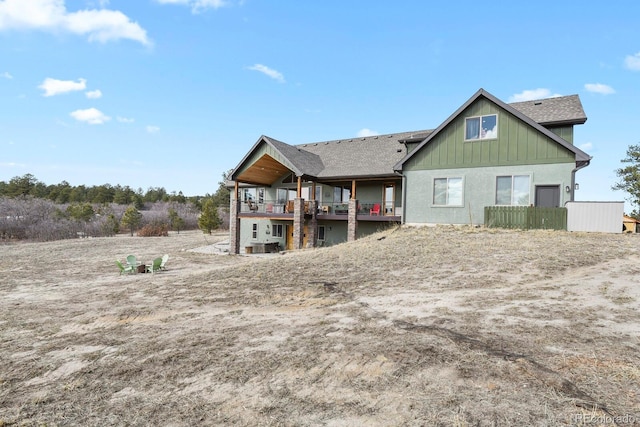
(580, 121)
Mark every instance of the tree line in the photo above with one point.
(28, 185)
(30, 209)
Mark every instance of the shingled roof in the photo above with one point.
(382, 155)
(553, 111)
(372, 156)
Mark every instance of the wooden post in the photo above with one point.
(235, 193)
(353, 189)
(299, 187)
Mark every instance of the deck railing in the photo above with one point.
(365, 208)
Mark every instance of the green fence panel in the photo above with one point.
(525, 217)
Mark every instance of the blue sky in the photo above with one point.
(172, 93)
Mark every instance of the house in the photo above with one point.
(630, 224)
(486, 153)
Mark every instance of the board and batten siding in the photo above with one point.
(517, 144)
(564, 132)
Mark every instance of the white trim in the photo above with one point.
(480, 128)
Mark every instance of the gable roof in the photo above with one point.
(582, 158)
(304, 161)
(382, 155)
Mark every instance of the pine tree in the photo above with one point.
(209, 219)
(131, 219)
(175, 221)
(630, 177)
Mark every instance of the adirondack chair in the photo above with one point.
(375, 210)
(155, 266)
(132, 261)
(165, 258)
(128, 269)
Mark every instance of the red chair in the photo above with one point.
(375, 210)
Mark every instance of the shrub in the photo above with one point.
(154, 230)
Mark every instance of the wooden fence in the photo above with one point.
(525, 217)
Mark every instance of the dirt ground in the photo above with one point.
(411, 326)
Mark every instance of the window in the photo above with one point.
(447, 191)
(277, 230)
(513, 190)
(389, 199)
(282, 196)
(321, 231)
(253, 195)
(254, 231)
(341, 194)
(482, 127)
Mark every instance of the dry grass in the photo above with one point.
(433, 326)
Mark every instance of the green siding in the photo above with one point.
(517, 144)
(564, 132)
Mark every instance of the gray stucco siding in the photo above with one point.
(246, 232)
(478, 191)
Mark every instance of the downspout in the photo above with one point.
(404, 196)
(573, 178)
(404, 199)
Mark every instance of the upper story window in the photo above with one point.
(481, 127)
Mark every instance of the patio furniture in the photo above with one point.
(375, 210)
(165, 258)
(155, 266)
(132, 261)
(128, 269)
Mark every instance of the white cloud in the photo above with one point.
(367, 132)
(586, 146)
(51, 15)
(6, 75)
(632, 62)
(276, 75)
(91, 116)
(124, 120)
(599, 88)
(13, 165)
(94, 94)
(197, 6)
(53, 87)
(530, 95)
(153, 129)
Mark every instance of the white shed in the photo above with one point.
(602, 217)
